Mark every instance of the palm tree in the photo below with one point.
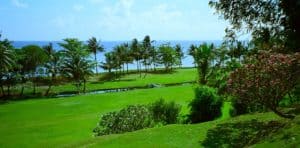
(146, 51)
(76, 65)
(136, 54)
(127, 55)
(109, 63)
(94, 46)
(179, 54)
(203, 58)
(6, 60)
(53, 64)
(192, 52)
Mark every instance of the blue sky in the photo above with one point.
(109, 20)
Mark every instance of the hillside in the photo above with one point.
(262, 129)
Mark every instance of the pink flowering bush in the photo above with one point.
(266, 80)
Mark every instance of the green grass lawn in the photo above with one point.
(134, 80)
(128, 80)
(60, 121)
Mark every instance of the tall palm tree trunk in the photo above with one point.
(96, 63)
(137, 65)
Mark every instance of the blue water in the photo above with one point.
(108, 46)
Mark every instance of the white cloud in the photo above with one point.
(78, 7)
(19, 4)
(123, 20)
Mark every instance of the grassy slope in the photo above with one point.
(184, 135)
(54, 122)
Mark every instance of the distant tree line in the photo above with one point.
(45, 65)
(144, 54)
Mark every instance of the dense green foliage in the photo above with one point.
(272, 24)
(135, 117)
(164, 112)
(205, 106)
(129, 119)
(76, 66)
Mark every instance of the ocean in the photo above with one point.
(108, 46)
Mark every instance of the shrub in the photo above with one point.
(206, 105)
(132, 118)
(164, 112)
(266, 80)
(240, 107)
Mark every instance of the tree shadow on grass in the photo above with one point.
(241, 134)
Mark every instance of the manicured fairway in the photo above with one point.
(56, 122)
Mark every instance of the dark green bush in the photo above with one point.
(239, 107)
(205, 106)
(132, 118)
(163, 112)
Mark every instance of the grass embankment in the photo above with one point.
(55, 122)
(261, 129)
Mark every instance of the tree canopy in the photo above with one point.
(272, 22)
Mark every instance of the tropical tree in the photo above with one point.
(192, 52)
(266, 79)
(146, 51)
(153, 57)
(53, 65)
(203, 56)
(119, 52)
(7, 61)
(95, 46)
(273, 23)
(109, 63)
(76, 65)
(34, 57)
(179, 54)
(135, 49)
(167, 56)
(127, 55)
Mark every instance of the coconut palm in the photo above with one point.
(203, 58)
(53, 64)
(179, 54)
(76, 65)
(109, 63)
(120, 53)
(6, 60)
(94, 46)
(146, 51)
(192, 52)
(127, 55)
(136, 54)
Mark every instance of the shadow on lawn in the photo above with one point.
(241, 134)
